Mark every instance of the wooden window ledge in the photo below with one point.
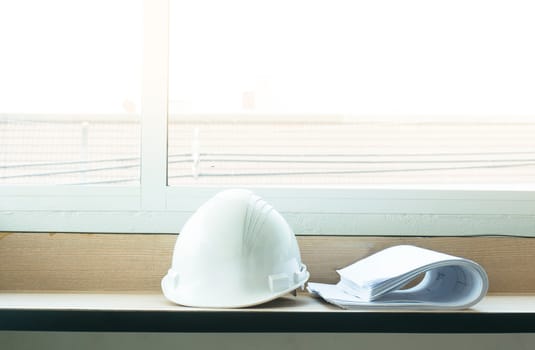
(132, 312)
(120, 277)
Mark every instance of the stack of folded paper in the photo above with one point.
(449, 282)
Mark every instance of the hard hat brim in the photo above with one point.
(211, 299)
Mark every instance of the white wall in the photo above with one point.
(155, 341)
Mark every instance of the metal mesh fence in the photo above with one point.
(69, 152)
(270, 153)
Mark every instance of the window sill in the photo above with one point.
(132, 312)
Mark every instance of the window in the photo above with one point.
(382, 117)
(70, 92)
(351, 93)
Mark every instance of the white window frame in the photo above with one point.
(154, 207)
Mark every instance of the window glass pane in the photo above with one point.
(351, 92)
(70, 85)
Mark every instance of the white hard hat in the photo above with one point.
(236, 250)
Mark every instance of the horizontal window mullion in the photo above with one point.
(302, 223)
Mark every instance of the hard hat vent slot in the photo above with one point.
(279, 282)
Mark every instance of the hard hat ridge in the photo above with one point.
(257, 212)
